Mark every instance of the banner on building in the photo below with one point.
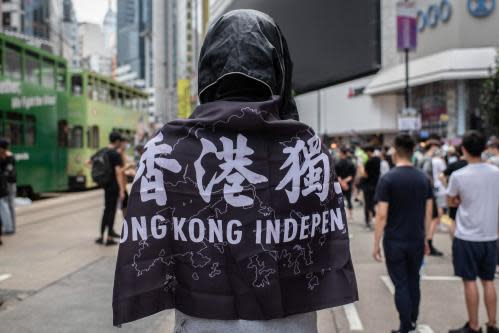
(184, 98)
(234, 214)
(407, 25)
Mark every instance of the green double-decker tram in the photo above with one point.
(55, 119)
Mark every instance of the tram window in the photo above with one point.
(30, 134)
(32, 69)
(103, 90)
(76, 137)
(13, 62)
(112, 95)
(76, 85)
(62, 133)
(61, 77)
(1, 124)
(93, 137)
(48, 73)
(14, 128)
(90, 88)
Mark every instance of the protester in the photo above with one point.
(209, 190)
(369, 182)
(404, 209)
(475, 190)
(434, 165)
(3, 206)
(108, 165)
(128, 172)
(456, 162)
(492, 152)
(345, 170)
(7, 170)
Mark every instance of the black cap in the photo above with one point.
(115, 136)
(4, 143)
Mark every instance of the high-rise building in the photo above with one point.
(134, 28)
(49, 24)
(176, 47)
(94, 54)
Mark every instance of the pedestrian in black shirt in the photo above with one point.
(404, 213)
(369, 182)
(345, 170)
(114, 189)
(8, 162)
(454, 165)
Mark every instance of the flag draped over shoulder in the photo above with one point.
(234, 214)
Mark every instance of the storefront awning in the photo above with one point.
(456, 64)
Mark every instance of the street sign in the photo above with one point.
(407, 25)
(409, 123)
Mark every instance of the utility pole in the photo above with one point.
(407, 88)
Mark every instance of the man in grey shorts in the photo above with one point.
(475, 189)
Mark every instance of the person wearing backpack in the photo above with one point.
(107, 172)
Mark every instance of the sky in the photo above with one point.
(92, 10)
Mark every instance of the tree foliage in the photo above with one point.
(489, 100)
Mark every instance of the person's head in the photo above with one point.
(432, 146)
(4, 145)
(343, 152)
(404, 148)
(369, 150)
(474, 143)
(245, 57)
(493, 146)
(115, 139)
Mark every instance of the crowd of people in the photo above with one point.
(7, 190)
(416, 187)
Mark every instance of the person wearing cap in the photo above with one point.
(113, 190)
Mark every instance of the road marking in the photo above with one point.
(440, 278)
(424, 329)
(391, 288)
(353, 317)
(4, 277)
(388, 283)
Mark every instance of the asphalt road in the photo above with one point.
(53, 278)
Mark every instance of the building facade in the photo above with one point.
(457, 48)
(93, 52)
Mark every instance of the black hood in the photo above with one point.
(246, 48)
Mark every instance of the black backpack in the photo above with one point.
(102, 173)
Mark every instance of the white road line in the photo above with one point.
(424, 329)
(353, 317)
(440, 278)
(388, 283)
(4, 277)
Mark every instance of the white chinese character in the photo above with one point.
(152, 186)
(308, 161)
(234, 171)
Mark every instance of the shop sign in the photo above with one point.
(481, 8)
(407, 25)
(434, 15)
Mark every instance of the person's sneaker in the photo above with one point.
(99, 241)
(436, 253)
(466, 329)
(492, 329)
(113, 234)
(111, 242)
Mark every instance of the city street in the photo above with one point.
(53, 278)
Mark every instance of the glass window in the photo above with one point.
(14, 128)
(32, 69)
(1, 124)
(13, 62)
(76, 137)
(48, 73)
(76, 85)
(30, 134)
(62, 133)
(93, 137)
(61, 77)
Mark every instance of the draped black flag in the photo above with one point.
(234, 214)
